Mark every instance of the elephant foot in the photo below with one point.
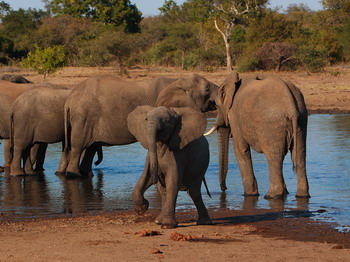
(280, 196)
(159, 220)
(7, 165)
(302, 195)
(19, 172)
(31, 172)
(60, 173)
(71, 175)
(39, 169)
(2, 169)
(168, 226)
(251, 195)
(204, 222)
(141, 209)
(223, 187)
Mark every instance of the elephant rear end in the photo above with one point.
(197, 161)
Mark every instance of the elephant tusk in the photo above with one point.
(212, 130)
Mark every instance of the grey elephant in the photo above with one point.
(37, 118)
(177, 159)
(270, 116)
(9, 92)
(96, 110)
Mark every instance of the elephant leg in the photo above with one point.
(244, 160)
(278, 188)
(85, 167)
(37, 155)
(18, 152)
(73, 164)
(28, 165)
(7, 153)
(162, 192)
(140, 203)
(169, 203)
(300, 169)
(62, 166)
(196, 195)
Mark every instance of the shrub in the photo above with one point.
(312, 59)
(248, 63)
(45, 60)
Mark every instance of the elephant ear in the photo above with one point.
(137, 121)
(190, 126)
(184, 92)
(227, 91)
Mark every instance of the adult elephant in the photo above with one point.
(96, 111)
(8, 93)
(37, 119)
(177, 159)
(270, 116)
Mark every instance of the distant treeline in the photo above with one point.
(201, 34)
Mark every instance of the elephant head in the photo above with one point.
(165, 129)
(194, 91)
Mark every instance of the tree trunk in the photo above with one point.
(183, 60)
(226, 37)
(223, 141)
(228, 54)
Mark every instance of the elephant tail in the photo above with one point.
(206, 187)
(295, 141)
(67, 130)
(11, 134)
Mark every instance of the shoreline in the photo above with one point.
(259, 235)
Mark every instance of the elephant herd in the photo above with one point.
(167, 117)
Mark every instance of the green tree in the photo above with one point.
(45, 60)
(4, 9)
(117, 12)
(6, 49)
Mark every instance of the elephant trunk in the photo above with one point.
(152, 149)
(223, 141)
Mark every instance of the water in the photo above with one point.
(328, 167)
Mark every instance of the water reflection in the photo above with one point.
(328, 167)
(79, 195)
(27, 194)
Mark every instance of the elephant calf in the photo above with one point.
(177, 159)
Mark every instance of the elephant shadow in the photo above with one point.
(277, 207)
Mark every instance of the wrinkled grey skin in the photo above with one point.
(96, 111)
(9, 92)
(177, 159)
(37, 118)
(269, 116)
(15, 79)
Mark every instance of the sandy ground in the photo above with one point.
(236, 235)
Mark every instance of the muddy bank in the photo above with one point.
(123, 236)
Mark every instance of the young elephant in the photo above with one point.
(177, 159)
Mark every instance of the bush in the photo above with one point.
(45, 60)
(313, 60)
(248, 63)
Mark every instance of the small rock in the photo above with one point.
(156, 251)
(179, 237)
(147, 233)
(338, 247)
